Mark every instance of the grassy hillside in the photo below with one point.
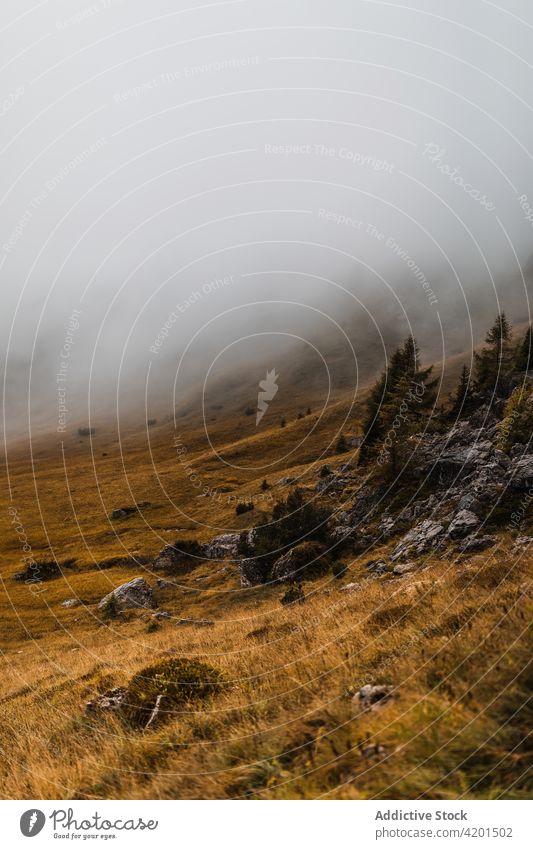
(451, 637)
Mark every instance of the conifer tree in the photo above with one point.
(462, 400)
(494, 363)
(524, 355)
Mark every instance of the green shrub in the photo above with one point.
(339, 569)
(517, 423)
(292, 522)
(110, 609)
(342, 445)
(180, 680)
(293, 595)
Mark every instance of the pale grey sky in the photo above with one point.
(286, 147)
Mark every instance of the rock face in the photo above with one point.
(252, 572)
(463, 524)
(521, 472)
(418, 540)
(332, 484)
(222, 546)
(474, 543)
(136, 593)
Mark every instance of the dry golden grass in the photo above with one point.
(451, 637)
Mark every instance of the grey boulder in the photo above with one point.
(135, 593)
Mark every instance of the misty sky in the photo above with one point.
(166, 165)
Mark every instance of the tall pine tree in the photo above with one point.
(494, 363)
(524, 355)
(397, 404)
(462, 400)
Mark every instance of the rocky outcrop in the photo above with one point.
(473, 543)
(463, 524)
(372, 696)
(112, 700)
(122, 512)
(521, 472)
(135, 593)
(332, 484)
(427, 535)
(377, 567)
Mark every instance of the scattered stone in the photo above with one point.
(378, 567)
(71, 602)
(351, 588)
(387, 526)
(469, 501)
(135, 593)
(112, 700)
(161, 614)
(374, 751)
(403, 568)
(414, 590)
(522, 543)
(122, 512)
(463, 523)
(372, 696)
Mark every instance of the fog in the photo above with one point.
(174, 173)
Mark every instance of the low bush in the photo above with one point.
(180, 681)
